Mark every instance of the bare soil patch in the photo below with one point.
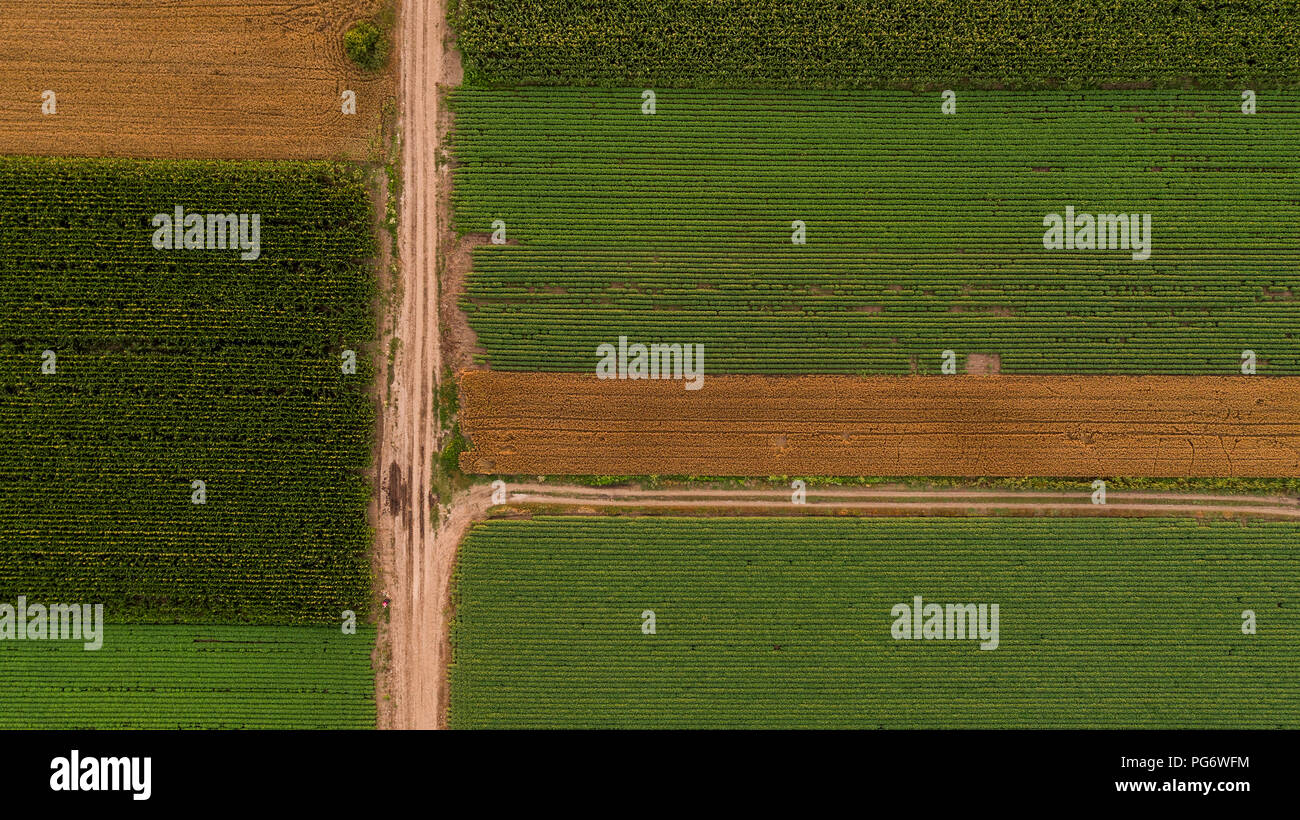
(460, 342)
(983, 364)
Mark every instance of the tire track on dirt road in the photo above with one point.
(891, 500)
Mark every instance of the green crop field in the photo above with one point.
(130, 371)
(776, 623)
(176, 366)
(879, 43)
(187, 677)
(924, 231)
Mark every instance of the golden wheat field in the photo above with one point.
(1159, 426)
(247, 79)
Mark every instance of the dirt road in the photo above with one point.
(415, 547)
(893, 500)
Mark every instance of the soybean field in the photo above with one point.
(191, 677)
(848, 232)
(785, 623)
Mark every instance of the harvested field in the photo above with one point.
(1157, 426)
(252, 79)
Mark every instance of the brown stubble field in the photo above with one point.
(244, 79)
(1060, 426)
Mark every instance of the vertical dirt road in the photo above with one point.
(412, 575)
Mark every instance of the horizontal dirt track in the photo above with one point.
(887, 500)
(1066, 426)
(245, 79)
